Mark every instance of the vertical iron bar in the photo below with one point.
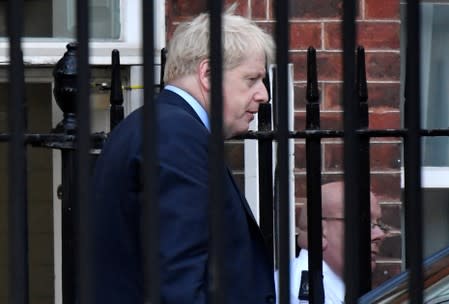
(116, 97)
(149, 225)
(313, 158)
(81, 208)
(163, 60)
(266, 177)
(364, 177)
(282, 45)
(351, 156)
(68, 231)
(17, 208)
(412, 156)
(216, 156)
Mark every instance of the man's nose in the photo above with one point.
(262, 93)
(377, 233)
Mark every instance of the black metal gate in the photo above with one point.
(74, 140)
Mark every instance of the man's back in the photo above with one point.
(184, 210)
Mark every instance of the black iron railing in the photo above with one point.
(72, 136)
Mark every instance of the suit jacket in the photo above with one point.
(183, 209)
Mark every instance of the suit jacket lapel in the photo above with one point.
(242, 198)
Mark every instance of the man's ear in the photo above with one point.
(204, 74)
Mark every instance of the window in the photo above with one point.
(60, 23)
(50, 25)
(434, 65)
(434, 78)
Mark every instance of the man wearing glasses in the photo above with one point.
(333, 246)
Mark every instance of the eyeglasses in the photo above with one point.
(382, 226)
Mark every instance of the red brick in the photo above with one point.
(300, 95)
(303, 35)
(316, 9)
(332, 96)
(387, 120)
(329, 121)
(185, 9)
(382, 9)
(300, 186)
(242, 7)
(332, 35)
(259, 10)
(333, 157)
(329, 66)
(385, 156)
(385, 271)
(332, 120)
(180, 9)
(379, 66)
(382, 96)
(300, 156)
(382, 35)
(370, 35)
(387, 186)
(299, 65)
(266, 26)
(383, 66)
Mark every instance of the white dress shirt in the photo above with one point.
(334, 288)
(196, 106)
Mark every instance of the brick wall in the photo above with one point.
(317, 23)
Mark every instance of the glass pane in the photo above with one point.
(59, 19)
(435, 80)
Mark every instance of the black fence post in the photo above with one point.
(351, 156)
(266, 177)
(364, 176)
(412, 157)
(163, 60)
(282, 136)
(149, 220)
(217, 287)
(18, 279)
(313, 168)
(65, 91)
(116, 97)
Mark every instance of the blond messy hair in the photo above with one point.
(190, 44)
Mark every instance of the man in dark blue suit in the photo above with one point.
(183, 133)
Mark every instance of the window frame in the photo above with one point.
(47, 51)
(432, 177)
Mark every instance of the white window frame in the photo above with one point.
(431, 177)
(45, 51)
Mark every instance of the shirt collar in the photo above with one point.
(196, 106)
